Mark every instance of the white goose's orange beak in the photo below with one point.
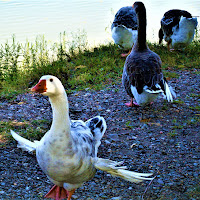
(40, 87)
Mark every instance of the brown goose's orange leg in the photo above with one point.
(123, 55)
(132, 104)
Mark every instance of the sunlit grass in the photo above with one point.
(33, 130)
(78, 66)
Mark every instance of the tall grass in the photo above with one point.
(75, 63)
(23, 64)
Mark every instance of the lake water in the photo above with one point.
(30, 18)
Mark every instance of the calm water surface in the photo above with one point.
(30, 18)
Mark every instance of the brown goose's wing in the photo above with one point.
(142, 69)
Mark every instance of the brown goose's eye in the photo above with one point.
(51, 80)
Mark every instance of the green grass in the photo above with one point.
(78, 66)
(33, 130)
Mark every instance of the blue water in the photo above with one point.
(30, 18)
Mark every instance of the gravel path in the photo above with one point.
(163, 138)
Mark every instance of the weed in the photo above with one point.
(33, 131)
(178, 101)
(197, 108)
(76, 64)
(172, 134)
(128, 125)
(193, 192)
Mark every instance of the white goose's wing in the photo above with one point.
(87, 135)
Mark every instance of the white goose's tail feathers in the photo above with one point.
(24, 143)
(121, 171)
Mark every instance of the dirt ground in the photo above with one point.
(162, 138)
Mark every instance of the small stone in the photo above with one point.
(107, 142)
(160, 181)
(116, 198)
(27, 188)
(140, 147)
(144, 126)
(113, 137)
(75, 196)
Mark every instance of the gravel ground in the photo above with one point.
(163, 139)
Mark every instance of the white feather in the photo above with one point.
(110, 167)
(168, 93)
(146, 88)
(24, 143)
(124, 37)
(184, 33)
(145, 97)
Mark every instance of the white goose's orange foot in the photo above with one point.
(57, 193)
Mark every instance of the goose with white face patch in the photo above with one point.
(177, 29)
(124, 28)
(142, 76)
(67, 153)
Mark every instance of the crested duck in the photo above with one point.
(124, 28)
(177, 28)
(142, 77)
(67, 153)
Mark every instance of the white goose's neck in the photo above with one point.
(61, 121)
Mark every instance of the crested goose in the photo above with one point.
(67, 153)
(124, 28)
(177, 28)
(142, 76)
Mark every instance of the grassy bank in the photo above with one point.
(77, 65)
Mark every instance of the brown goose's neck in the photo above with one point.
(141, 40)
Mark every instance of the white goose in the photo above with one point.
(177, 28)
(124, 28)
(67, 153)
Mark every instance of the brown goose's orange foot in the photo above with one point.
(57, 193)
(124, 55)
(132, 104)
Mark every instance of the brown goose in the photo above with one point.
(177, 28)
(142, 76)
(124, 28)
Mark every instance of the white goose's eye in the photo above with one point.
(51, 80)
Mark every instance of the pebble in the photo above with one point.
(113, 137)
(160, 181)
(116, 198)
(176, 167)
